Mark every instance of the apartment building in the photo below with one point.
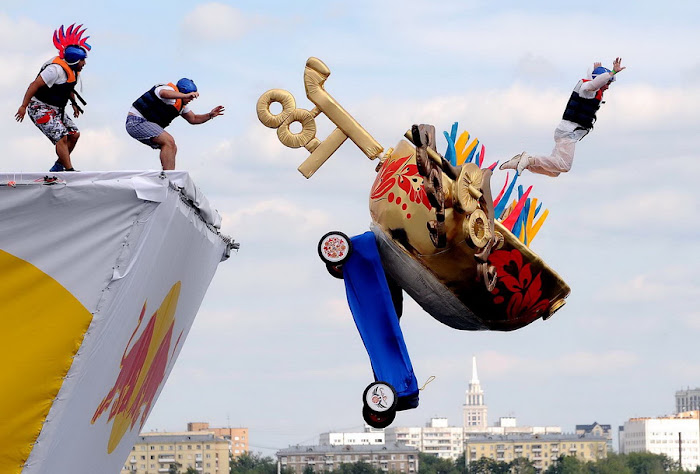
(368, 436)
(542, 450)
(677, 436)
(436, 438)
(597, 429)
(389, 457)
(507, 425)
(154, 453)
(237, 436)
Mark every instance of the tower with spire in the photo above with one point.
(475, 411)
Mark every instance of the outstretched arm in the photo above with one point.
(195, 119)
(31, 90)
(603, 79)
(617, 65)
(167, 93)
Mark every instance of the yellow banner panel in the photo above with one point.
(43, 326)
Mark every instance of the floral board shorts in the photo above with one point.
(143, 130)
(51, 120)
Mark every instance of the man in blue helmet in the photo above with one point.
(47, 96)
(577, 121)
(156, 108)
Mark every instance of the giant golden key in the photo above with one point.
(315, 75)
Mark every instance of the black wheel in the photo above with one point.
(334, 248)
(335, 270)
(380, 397)
(378, 420)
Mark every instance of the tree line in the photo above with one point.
(633, 463)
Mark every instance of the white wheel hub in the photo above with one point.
(334, 248)
(379, 398)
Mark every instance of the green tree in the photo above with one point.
(612, 464)
(522, 466)
(430, 464)
(567, 465)
(460, 465)
(488, 466)
(253, 463)
(191, 470)
(359, 467)
(648, 463)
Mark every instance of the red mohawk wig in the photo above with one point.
(71, 37)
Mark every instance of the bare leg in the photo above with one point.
(63, 151)
(72, 140)
(168, 150)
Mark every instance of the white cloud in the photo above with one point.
(497, 365)
(649, 108)
(217, 22)
(23, 34)
(259, 144)
(100, 149)
(273, 219)
(498, 34)
(691, 320)
(525, 108)
(579, 363)
(673, 284)
(646, 210)
(335, 373)
(16, 69)
(686, 371)
(24, 46)
(335, 312)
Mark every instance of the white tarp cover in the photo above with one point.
(101, 276)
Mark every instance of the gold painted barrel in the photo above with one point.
(446, 281)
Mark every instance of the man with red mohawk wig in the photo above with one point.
(47, 96)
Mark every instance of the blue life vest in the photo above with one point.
(155, 110)
(581, 110)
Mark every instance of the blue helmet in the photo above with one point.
(186, 86)
(600, 70)
(74, 54)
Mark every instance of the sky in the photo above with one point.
(274, 347)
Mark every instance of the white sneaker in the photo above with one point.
(512, 163)
(523, 163)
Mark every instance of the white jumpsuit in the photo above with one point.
(567, 134)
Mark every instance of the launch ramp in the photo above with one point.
(101, 276)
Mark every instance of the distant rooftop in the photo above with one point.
(684, 415)
(177, 437)
(348, 448)
(590, 427)
(540, 437)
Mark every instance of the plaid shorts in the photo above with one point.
(143, 130)
(51, 120)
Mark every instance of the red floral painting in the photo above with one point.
(526, 300)
(404, 174)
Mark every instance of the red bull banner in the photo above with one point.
(101, 277)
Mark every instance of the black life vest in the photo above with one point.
(155, 110)
(581, 110)
(59, 94)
